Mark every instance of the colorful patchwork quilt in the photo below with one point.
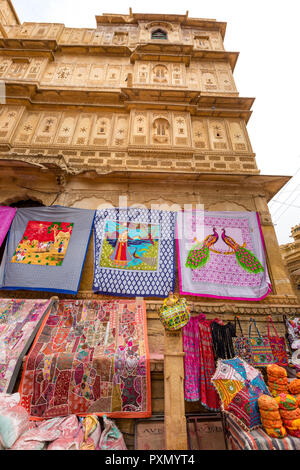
(90, 357)
(19, 322)
(134, 252)
(46, 249)
(221, 254)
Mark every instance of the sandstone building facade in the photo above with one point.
(143, 107)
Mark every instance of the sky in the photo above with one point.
(266, 33)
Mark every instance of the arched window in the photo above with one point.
(161, 131)
(160, 74)
(159, 34)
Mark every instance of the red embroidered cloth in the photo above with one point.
(89, 357)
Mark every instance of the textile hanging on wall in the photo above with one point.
(90, 357)
(134, 252)
(199, 365)
(221, 254)
(46, 249)
(19, 322)
(6, 217)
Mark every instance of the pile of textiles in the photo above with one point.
(270, 416)
(17, 432)
(289, 413)
(277, 379)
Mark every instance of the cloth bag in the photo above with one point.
(260, 348)
(241, 344)
(278, 346)
(174, 316)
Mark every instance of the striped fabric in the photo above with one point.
(257, 439)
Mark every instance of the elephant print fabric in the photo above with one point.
(221, 254)
(90, 357)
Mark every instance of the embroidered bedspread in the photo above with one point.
(19, 321)
(46, 249)
(134, 252)
(221, 254)
(6, 217)
(90, 357)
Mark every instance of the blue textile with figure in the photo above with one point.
(134, 252)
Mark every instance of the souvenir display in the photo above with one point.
(241, 344)
(270, 417)
(20, 320)
(288, 403)
(260, 349)
(239, 386)
(134, 252)
(222, 337)
(6, 217)
(174, 313)
(277, 344)
(277, 379)
(90, 357)
(221, 254)
(46, 249)
(199, 365)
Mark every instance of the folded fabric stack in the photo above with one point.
(270, 416)
(289, 413)
(294, 389)
(277, 379)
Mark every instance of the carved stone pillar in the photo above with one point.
(175, 421)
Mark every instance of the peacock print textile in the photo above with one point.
(6, 217)
(46, 249)
(89, 357)
(19, 322)
(134, 252)
(221, 254)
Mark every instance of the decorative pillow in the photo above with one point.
(14, 422)
(112, 438)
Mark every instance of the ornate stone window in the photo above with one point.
(159, 34)
(160, 74)
(161, 131)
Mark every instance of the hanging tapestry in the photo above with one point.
(46, 249)
(221, 254)
(6, 216)
(19, 322)
(134, 252)
(90, 357)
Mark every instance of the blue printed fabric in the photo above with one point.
(46, 249)
(134, 252)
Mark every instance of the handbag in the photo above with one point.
(260, 348)
(241, 344)
(278, 345)
(174, 316)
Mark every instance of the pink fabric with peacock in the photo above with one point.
(221, 255)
